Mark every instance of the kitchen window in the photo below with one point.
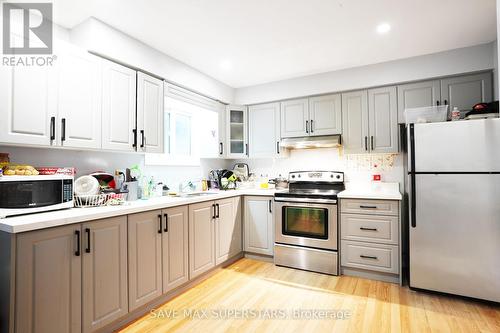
(191, 129)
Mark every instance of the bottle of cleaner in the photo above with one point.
(455, 114)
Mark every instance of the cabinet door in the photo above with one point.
(416, 95)
(28, 97)
(382, 116)
(263, 125)
(118, 106)
(201, 238)
(48, 281)
(326, 115)
(295, 118)
(355, 122)
(227, 230)
(104, 292)
(259, 225)
(465, 91)
(175, 247)
(236, 131)
(79, 99)
(144, 258)
(149, 113)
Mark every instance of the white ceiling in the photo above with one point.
(269, 40)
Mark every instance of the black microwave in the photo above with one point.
(33, 194)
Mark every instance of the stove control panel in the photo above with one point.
(316, 176)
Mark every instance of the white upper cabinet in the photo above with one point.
(118, 106)
(295, 118)
(28, 98)
(383, 123)
(416, 95)
(236, 131)
(79, 99)
(264, 130)
(465, 91)
(325, 115)
(355, 122)
(149, 114)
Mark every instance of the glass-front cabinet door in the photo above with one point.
(236, 131)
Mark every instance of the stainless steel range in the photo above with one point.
(306, 234)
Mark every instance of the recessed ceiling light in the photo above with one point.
(226, 65)
(383, 28)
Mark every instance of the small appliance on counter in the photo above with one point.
(21, 195)
(221, 179)
(241, 171)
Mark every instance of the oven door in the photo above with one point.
(306, 224)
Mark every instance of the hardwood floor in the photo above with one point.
(260, 287)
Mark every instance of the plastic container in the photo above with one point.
(428, 114)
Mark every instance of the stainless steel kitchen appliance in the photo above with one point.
(34, 194)
(454, 206)
(306, 232)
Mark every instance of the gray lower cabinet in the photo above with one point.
(259, 225)
(48, 281)
(201, 238)
(144, 257)
(227, 229)
(175, 247)
(104, 278)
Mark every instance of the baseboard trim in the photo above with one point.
(261, 257)
(385, 277)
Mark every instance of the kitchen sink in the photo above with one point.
(197, 194)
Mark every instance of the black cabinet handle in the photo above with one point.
(246, 149)
(218, 210)
(270, 206)
(438, 103)
(159, 224)
(221, 148)
(134, 131)
(278, 147)
(307, 126)
(371, 141)
(87, 231)
(166, 222)
(63, 129)
(52, 128)
(367, 207)
(368, 257)
(366, 143)
(143, 139)
(445, 102)
(77, 252)
(368, 229)
(213, 215)
(312, 127)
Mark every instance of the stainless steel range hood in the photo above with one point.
(308, 142)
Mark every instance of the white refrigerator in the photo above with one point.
(454, 207)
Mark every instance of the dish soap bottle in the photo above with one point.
(455, 114)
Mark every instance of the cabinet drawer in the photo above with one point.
(370, 228)
(376, 207)
(374, 257)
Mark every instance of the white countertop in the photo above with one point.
(372, 190)
(36, 221)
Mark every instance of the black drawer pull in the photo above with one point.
(367, 207)
(87, 231)
(77, 252)
(369, 229)
(159, 224)
(368, 257)
(166, 222)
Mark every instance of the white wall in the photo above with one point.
(99, 37)
(470, 59)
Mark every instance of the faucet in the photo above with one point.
(189, 184)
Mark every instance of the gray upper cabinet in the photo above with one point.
(465, 91)
(326, 115)
(48, 284)
(104, 292)
(382, 120)
(355, 122)
(175, 247)
(227, 229)
(295, 118)
(416, 95)
(264, 130)
(144, 258)
(201, 238)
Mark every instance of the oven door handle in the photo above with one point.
(306, 200)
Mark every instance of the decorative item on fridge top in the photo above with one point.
(483, 111)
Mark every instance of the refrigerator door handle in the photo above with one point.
(413, 202)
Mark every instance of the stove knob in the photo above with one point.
(293, 176)
(331, 176)
(338, 176)
(299, 176)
